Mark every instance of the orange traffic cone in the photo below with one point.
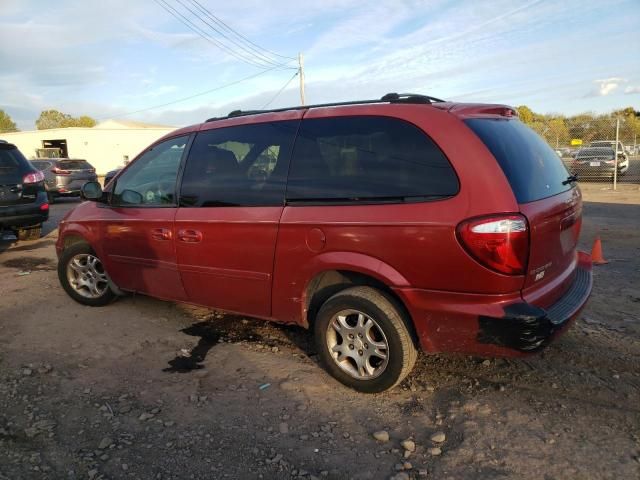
(596, 253)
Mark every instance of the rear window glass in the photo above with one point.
(10, 159)
(41, 165)
(75, 164)
(596, 152)
(532, 168)
(351, 159)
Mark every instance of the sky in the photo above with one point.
(131, 59)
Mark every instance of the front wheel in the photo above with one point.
(363, 340)
(83, 276)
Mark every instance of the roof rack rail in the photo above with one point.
(388, 98)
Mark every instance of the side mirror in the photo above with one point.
(92, 191)
(130, 197)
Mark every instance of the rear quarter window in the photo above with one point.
(367, 159)
(532, 168)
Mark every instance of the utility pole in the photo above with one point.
(615, 155)
(301, 74)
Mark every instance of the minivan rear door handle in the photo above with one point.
(161, 234)
(190, 236)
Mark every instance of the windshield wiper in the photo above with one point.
(570, 179)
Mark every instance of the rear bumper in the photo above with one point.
(67, 186)
(22, 215)
(495, 325)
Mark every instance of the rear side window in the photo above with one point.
(365, 159)
(75, 165)
(532, 168)
(245, 165)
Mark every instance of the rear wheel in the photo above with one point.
(83, 276)
(31, 233)
(363, 340)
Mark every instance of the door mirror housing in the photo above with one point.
(130, 197)
(92, 191)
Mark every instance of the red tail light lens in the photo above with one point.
(499, 242)
(60, 171)
(34, 177)
(44, 207)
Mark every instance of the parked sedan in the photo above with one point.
(64, 176)
(599, 162)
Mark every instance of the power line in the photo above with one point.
(222, 24)
(259, 57)
(188, 23)
(184, 99)
(279, 91)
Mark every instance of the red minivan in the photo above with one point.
(384, 226)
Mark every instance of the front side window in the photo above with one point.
(245, 165)
(367, 159)
(151, 179)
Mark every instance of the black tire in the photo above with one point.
(31, 233)
(67, 255)
(401, 352)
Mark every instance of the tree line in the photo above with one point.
(48, 119)
(559, 130)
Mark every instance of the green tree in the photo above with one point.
(55, 119)
(6, 124)
(525, 114)
(85, 121)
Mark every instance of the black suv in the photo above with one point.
(23, 199)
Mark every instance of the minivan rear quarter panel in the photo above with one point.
(406, 246)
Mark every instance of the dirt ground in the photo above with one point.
(147, 389)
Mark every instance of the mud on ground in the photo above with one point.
(149, 389)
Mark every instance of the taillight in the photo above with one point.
(33, 177)
(499, 242)
(60, 171)
(44, 207)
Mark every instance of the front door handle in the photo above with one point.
(161, 234)
(190, 236)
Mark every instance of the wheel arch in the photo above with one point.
(327, 283)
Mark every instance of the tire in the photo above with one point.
(389, 326)
(81, 256)
(31, 233)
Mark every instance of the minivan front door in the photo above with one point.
(231, 200)
(138, 224)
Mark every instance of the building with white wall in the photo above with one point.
(105, 146)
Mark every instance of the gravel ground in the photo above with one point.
(148, 389)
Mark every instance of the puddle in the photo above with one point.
(231, 328)
(234, 329)
(30, 264)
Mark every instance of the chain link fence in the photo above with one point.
(596, 149)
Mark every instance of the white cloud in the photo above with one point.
(632, 89)
(607, 86)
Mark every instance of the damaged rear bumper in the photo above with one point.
(527, 328)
